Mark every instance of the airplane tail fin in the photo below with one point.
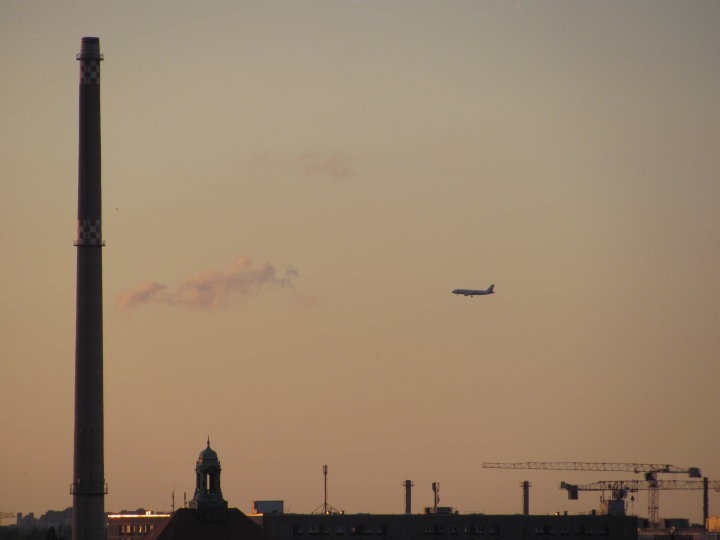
(491, 288)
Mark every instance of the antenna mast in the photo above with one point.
(436, 496)
(325, 507)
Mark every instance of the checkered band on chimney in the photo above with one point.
(90, 72)
(89, 233)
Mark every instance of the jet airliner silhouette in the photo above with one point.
(474, 292)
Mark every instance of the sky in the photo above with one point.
(292, 188)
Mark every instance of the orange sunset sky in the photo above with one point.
(291, 188)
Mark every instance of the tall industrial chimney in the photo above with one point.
(88, 486)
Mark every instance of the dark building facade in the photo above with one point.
(446, 527)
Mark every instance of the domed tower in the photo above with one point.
(208, 501)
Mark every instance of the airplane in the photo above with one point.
(472, 292)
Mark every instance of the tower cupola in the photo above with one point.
(208, 501)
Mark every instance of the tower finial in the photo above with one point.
(208, 441)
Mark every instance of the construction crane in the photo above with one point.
(620, 489)
(651, 471)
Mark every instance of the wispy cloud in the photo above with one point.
(146, 292)
(305, 301)
(211, 288)
(335, 165)
(332, 165)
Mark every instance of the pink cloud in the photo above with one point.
(147, 292)
(211, 288)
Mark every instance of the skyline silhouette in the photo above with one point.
(374, 156)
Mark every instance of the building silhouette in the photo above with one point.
(207, 516)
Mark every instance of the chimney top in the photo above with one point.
(90, 49)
